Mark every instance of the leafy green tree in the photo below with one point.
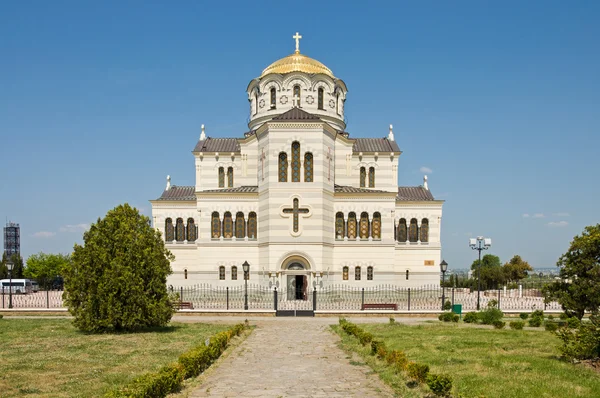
(492, 275)
(17, 271)
(117, 279)
(45, 267)
(516, 269)
(578, 289)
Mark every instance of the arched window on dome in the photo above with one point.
(283, 167)
(297, 95)
(169, 230)
(221, 177)
(295, 161)
(230, 177)
(215, 226)
(308, 167)
(255, 103)
(363, 177)
(320, 98)
(337, 104)
(273, 98)
(371, 177)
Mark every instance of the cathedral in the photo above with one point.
(299, 198)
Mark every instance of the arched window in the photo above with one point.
(308, 167)
(369, 273)
(345, 273)
(252, 226)
(222, 273)
(192, 233)
(424, 230)
(179, 230)
(297, 95)
(407, 274)
(255, 103)
(337, 104)
(230, 177)
(413, 231)
(357, 273)
(215, 226)
(339, 226)
(402, 232)
(376, 226)
(371, 177)
(273, 98)
(185, 273)
(295, 161)
(320, 98)
(363, 177)
(364, 225)
(227, 225)
(221, 177)
(240, 225)
(234, 273)
(283, 167)
(169, 230)
(352, 225)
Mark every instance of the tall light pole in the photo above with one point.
(9, 265)
(480, 243)
(443, 268)
(246, 268)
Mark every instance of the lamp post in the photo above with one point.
(443, 268)
(480, 243)
(246, 268)
(9, 266)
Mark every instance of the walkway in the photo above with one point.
(293, 357)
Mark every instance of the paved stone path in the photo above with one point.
(291, 358)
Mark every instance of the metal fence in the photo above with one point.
(328, 298)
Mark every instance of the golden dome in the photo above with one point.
(297, 63)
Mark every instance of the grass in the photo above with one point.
(51, 358)
(491, 363)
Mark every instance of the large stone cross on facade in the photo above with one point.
(296, 210)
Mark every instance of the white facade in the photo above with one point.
(246, 204)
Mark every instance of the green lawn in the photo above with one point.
(50, 358)
(486, 362)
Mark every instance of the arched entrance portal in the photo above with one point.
(296, 273)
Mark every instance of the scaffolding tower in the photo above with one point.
(12, 239)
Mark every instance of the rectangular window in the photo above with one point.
(357, 273)
(222, 273)
(370, 273)
(345, 274)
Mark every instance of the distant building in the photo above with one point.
(12, 239)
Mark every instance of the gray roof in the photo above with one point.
(179, 193)
(348, 189)
(374, 145)
(244, 189)
(218, 145)
(295, 114)
(414, 194)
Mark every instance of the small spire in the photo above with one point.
(202, 135)
(391, 134)
(425, 182)
(168, 183)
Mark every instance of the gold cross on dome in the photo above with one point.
(297, 37)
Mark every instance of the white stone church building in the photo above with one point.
(299, 198)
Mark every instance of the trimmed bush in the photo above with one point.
(471, 317)
(550, 317)
(417, 371)
(440, 385)
(392, 320)
(446, 316)
(376, 345)
(535, 322)
(573, 323)
(550, 326)
(517, 325)
(490, 315)
(563, 316)
(397, 359)
(153, 385)
(537, 314)
(499, 324)
(447, 305)
(523, 315)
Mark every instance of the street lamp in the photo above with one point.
(480, 243)
(443, 268)
(9, 265)
(246, 268)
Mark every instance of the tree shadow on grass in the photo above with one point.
(150, 329)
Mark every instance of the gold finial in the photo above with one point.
(297, 37)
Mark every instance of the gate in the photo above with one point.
(292, 302)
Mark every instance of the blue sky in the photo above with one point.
(498, 102)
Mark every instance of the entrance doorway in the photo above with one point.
(297, 287)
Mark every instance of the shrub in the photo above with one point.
(1, 316)
(446, 316)
(490, 315)
(523, 315)
(563, 316)
(550, 317)
(537, 314)
(377, 347)
(392, 321)
(581, 343)
(397, 359)
(440, 385)
(550, 326)
(447, 305)
(517, 325)
(471, 317)
(499, 324)
(573, 322)
(455, 317)
(417, 371)
(535, 322)
(153, 385)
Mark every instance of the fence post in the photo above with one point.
(409, 298)
(47, 298)
(3, 297)
(227, 296)
(181, 294)
(362, 307)
(452, 297)
(498, 298)
(315, 299)
(275, 299)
